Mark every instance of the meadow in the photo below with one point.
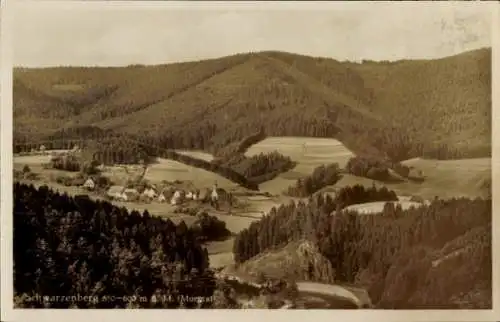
(309, 153)
(443, 178)
(378, 206)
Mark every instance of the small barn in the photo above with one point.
(89, 184)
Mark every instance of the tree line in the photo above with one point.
(261, 167)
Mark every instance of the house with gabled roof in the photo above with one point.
(89, 184)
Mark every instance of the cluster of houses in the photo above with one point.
(152, 193)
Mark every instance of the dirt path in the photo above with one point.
(357, 296)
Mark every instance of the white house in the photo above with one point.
(150, 193)
(89, 184)
(161, 197)
(177, 198)
(214, 195)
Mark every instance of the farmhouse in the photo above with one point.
(89, 184)
(150, 193)
(161, 197)
(193, 195)
(178, 197)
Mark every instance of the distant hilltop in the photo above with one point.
(396, 109)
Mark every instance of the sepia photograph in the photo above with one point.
(252, 156)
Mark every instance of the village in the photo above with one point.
(102, 180)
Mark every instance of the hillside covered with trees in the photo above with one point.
(434, 256)
(435, 108)
(66, 246)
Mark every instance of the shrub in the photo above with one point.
(321, 177)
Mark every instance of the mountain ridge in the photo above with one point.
(370, 106)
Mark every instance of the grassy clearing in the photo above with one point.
(170, 170)
(309, 153)
(220, 253)
(35, 158)
(378, 206)
(446, 179)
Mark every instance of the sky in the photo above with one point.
(117, 34)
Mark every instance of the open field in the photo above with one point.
(445, 179)
(378, 206)
(221, 253)
(170, 170)
(35, 159)
(309, 153)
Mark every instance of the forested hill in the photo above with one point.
(397, 109)
(430, 257)
(69, 246)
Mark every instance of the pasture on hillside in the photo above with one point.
(170, 170)
(309, 153)
(36, 158)
(378, 206)
(443, 178)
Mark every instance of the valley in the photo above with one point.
(261, 145)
